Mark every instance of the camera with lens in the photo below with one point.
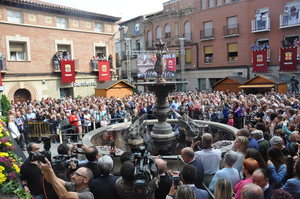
(145, 170)
(40, 156)
(64, 161)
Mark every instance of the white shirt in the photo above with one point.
(210, 159)
(13, 129)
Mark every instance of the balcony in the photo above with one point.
(207, 34)
(3, 65)
(231, 31)
(57, 69)
(261, 25)
(94, 65)
(289, 21)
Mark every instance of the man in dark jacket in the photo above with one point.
(92, 156)
(104, 186)
(165, 180)
(260, 178)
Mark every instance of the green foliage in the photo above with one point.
(5, 105)
(16, 189)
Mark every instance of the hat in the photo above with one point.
(276, 140)
(257, 132)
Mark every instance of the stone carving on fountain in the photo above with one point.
(136, 132)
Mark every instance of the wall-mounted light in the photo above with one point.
(43, 81)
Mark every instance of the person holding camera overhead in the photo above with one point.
(77, 189)
(31, 176)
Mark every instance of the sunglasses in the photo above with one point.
(77, 174)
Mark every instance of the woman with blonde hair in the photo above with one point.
(223, 189)
(240, 146)
(185, 192)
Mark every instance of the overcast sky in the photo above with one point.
(126, 9)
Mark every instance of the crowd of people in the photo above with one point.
(263, 163)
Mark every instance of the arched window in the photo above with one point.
(149, 36)
(187, 30)
(167, 31)
(158, 33)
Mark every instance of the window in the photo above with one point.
(219, 2)
(149, 36)
(232, 22)
(100, 52)
(99, 27)
(208, 28)
(211, 3)
(232, 49)
(227, 1)
(203, 4)
(176, 28)
(64, 50)
(202, 84)
(188, 56)
(187, 30)
(167, 31)
(158, 33)
(17, 51)
(137, 45)
(208, 54)
(291, 39)
(14, 16)
(61, 22)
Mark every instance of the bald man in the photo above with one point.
(188, 157)
(260, 178)
(251, 191)
(165, 180)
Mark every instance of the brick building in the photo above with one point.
(220, 36)
(32, 31)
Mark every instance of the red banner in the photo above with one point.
(104, 71)
(260, 58)
(67, 71)
(171, 64)
(288, 59)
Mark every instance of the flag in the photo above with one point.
(104, 71)
(288, 59)
(260, 58)
(67, 71)
(171, 64)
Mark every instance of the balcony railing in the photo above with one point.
(3, 65)
(56, 65)
(207, 34)
(289, 20)
(231, 31)
(261, 25)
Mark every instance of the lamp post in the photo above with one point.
(182, 62)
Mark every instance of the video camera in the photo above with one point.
(39, 156)
(64, 160)
(145, 170)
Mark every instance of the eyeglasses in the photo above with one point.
(77, 174)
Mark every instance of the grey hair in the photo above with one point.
(88, 173)
(105, 165)
(251, 191)
(185, 192)
(230, 158)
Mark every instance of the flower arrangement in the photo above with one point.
(9, 166)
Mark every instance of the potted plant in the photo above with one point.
(10, 186)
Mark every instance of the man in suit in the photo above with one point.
(188, 156)
(250, 191)
(165, 180)
(92, 156)
(104, 186)
(188, 177)
(260, 178)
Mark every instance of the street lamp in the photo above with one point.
(128, 54)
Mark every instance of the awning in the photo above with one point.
(258, 86)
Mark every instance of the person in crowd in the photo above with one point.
(92, 156)
(240, 146)
(87, 122)
(256, 155)
(104, 186)
(209, 157)
(188, 156)
(250, 191)
(188, 177)
(13, 129)
(277, 167)
(125, 184)
(185, 192)
(126, 156)
(281, 194)
(223, 189)
(74, 119)
(19, 121)
(293, 185)
(260, 178)
(78, 188)
(228, 172)
(252, 142)
(165, 180)
(31, 176)
(263, 144)
(249, 166)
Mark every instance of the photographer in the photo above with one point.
(31, 175)
(92, 156)
(77, 189)
(188, 177)
(125, 184)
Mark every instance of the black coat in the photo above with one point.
(164, 186)
(104, 187)
(200, 173)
